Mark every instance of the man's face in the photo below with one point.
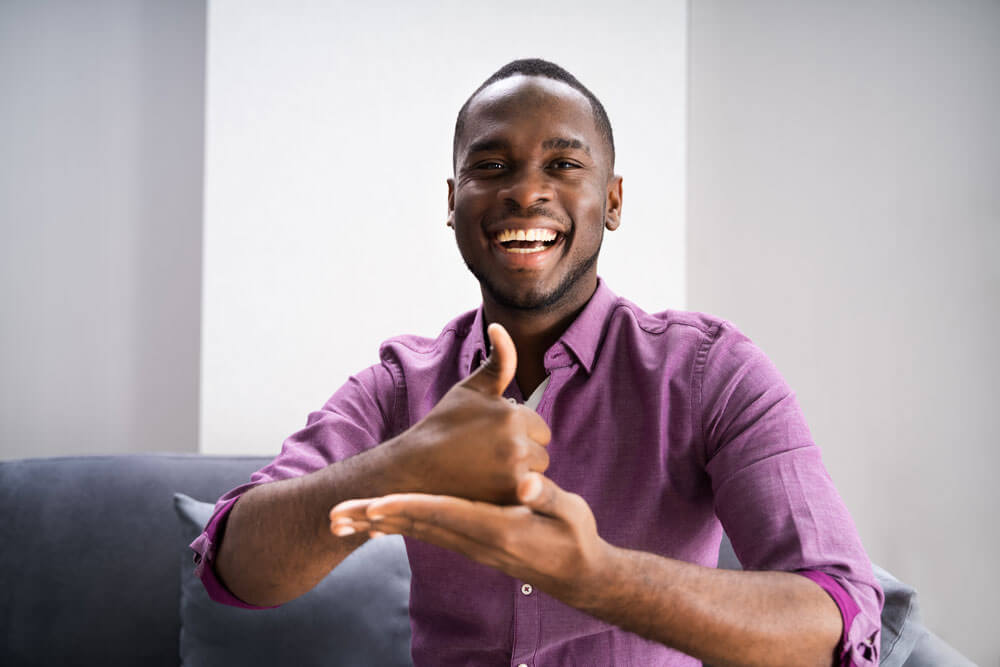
(532, 193)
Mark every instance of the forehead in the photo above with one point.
(530, 107)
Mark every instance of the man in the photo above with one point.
(586, 532)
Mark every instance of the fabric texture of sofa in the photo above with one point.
(95, 570)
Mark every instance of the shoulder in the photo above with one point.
(702, 346)
(407, 349)
(671, 323)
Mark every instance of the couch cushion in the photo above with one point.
(88, 567)
(358, 615)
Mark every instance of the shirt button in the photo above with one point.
(526, 589)
(523, 664)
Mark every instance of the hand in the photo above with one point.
(550, 541)
(475, 444)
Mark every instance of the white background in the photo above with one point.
(844, 211)
(101, 154)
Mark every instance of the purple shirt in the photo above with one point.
(666, 424)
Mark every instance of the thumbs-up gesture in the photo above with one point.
(474, 443)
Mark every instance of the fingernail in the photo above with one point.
(343, 520)
(376, 517)
(375, 533)
(343, 530)
(531, 489)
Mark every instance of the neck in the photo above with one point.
(535, 331)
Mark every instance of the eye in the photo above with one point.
(565, 164)
(489, 165)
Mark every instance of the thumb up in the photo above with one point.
(473, 444)
(498, 371)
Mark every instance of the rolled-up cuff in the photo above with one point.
(204, 548)
(852, 651)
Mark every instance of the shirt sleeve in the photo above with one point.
(358, 417)
(772, 492)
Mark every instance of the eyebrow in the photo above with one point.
(561, 142)
(486, 145)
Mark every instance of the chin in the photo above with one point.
(535, 299)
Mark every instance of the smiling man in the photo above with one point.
(560, 462)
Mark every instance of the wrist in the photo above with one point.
(592, 585)
(401, 466)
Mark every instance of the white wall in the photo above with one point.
(101, 117)
(844, 211)
(329, 131)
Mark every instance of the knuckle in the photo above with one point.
(576, 501)
(417, 530)
(510, 419)
(519, 451)
(504, 451)
(491, 369)
(504, 540)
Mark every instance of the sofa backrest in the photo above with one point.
(89, 563)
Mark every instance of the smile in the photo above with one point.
(526, 241)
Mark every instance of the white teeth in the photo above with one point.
(524, 251)
(536, 234)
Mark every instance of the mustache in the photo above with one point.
(514, 210)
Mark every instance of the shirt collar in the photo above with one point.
(583, 337)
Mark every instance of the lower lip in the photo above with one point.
(527, 260)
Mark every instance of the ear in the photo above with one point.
(613, 213)
(451, 203)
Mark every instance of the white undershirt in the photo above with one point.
(536, 396)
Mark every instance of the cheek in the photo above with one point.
(588, 211)
(471, 242)
(470, 210)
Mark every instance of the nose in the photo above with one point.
(527, 188)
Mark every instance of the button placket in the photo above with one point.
(526, 624)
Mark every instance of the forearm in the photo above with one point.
(277, 543)
(722, 617)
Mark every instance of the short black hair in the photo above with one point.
(549, 70)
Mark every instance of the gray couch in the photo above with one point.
(95, 571)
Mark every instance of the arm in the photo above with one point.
(773, 497)
(722, 617)
(275, 545)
